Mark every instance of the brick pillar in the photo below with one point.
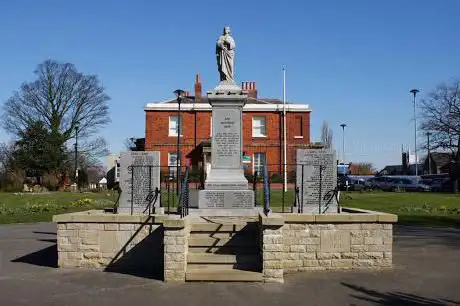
(272, 247)
(176, 233)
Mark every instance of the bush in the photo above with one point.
(276, 178)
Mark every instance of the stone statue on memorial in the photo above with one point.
(225, 53)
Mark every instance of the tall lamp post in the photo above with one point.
(414, 93)
(343, 125)
(77, 125)
(428, 134)
(179, 93)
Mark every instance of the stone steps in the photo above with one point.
(222, 275)
(219, 242)
(223, 250)
(233, 250)
(205, 258)
(223, 227)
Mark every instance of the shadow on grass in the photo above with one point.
(394, 298)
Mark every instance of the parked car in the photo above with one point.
(441, 185)
(359, 185)
(405, 184)
(353, 184)
(379, 182)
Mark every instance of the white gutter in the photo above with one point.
(246, 108)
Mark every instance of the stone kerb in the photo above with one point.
(272, 247)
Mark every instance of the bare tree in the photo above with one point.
(60, 97)
(441, 117)
(6, 157)
(326, 135)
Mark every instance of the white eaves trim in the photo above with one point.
(207, 107)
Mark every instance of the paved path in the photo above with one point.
(427, 272)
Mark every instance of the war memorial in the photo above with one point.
(225, 236)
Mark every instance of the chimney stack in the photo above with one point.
(250, 88)
(197, 88)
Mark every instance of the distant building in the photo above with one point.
(399, 170)
(440, 162)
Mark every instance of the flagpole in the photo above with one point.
(284, 129)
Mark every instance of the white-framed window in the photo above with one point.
(173, 125)
(258, 127)
(172, 164)
(298, 129)
(258, 163)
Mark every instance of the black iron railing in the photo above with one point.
(266, 191)
(184, 196)
(270, 185)
(152, 198)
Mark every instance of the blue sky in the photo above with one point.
(352, 61)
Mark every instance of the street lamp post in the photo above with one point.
(76, 153)
(428, 134)
(179, 93)
(343, 125)
(414, 93)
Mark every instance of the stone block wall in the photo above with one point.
(176, 235)
(97, 245)
(337, 246)
(272, 248)
(302, 242)
(122, 243)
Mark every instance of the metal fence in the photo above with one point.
(271, 190)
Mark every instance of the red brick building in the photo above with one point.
(262, 129)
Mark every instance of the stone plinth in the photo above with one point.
(226, 186)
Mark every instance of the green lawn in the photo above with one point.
(427, 208)
(412, 208)
(23, 208)
(437, 209)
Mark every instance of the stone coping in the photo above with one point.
(348, 215)
(99, 216)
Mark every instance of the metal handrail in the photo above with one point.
(151, 199)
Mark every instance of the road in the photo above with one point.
(426, 272)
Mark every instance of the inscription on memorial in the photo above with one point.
(226, 140)
(215, 199)
(139, 176)
(313, 165)
(226, 199)
(243, 199)
(227, 144)
(335, 241)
